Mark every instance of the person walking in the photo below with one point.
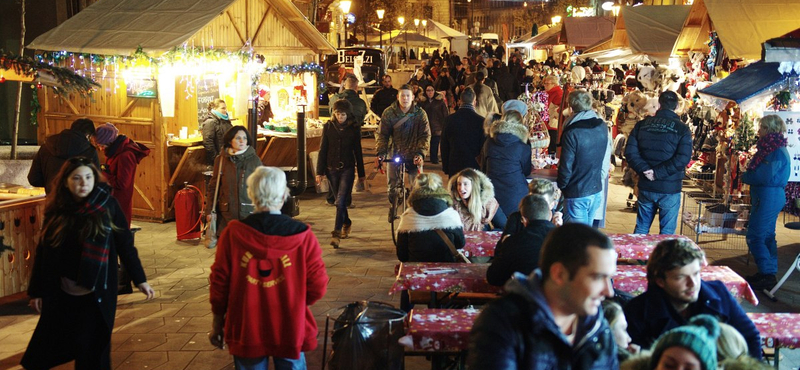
(658, 149)
(384, 97)
(434, 105)
(339, 158)
(485, 103)
(767, 174)
(73, 282)
(462, 136)
(507, 160)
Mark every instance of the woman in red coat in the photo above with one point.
(268, 270)
(122, 157)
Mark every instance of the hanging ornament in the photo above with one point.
(2, 79)
(38, 85)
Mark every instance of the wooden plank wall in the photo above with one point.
(20, 227)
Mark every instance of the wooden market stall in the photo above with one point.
(160, 62)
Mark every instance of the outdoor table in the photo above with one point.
(441, 330)
(778, 330)
(633, 279)
(628, 246)
(438, 277)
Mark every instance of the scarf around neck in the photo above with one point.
(95, 250)
(766, 145)
(220, 115)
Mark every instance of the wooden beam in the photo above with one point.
(261, 24)
(70, 105)
(96, 117)
(238, 32)
(128, 108)
(141, 193)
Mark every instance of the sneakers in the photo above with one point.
(761, 281)
(335, 235)
(346, 231)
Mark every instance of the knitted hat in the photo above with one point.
(699, 337)
(105, 134)
(517, 105)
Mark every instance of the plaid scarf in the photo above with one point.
(94, 250)
(766, 145)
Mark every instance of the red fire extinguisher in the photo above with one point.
(188, 216)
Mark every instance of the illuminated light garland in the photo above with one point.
(69, 80)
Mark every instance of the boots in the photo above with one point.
(335, 235)
(346, 231)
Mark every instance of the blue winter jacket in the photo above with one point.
(583, 148)
(518, 331)
(661, 143)
(507, 163)
(651, 314)
(768, 180)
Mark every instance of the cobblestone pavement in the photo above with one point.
(170, 331)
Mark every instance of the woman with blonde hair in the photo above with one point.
(473, 196)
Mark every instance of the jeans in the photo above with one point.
(262, 363)
(761, 230)
(435, 148)
(668, 207)
(581, 210)
(393, 176)
(341, 182)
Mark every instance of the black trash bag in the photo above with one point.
(365, 337)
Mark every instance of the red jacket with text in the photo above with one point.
(264, 284)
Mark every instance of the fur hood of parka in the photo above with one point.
(424, 200)
(422, 97)
(483, 183)
(508, 127)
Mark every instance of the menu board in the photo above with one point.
(792, 120)
(207, 90)
(142, 88)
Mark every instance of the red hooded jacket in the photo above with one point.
(264, 285)
(122, 157)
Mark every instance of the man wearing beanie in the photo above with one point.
(675, 294)
(72, 142)
(122, 157)
(690, 346)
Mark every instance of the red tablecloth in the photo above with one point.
(441, 329)
(443, 277)
(628, 246)
(780, 330)
(633, 279)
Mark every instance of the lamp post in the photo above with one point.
(425, 26)
(402, 20)
(381, 12)
(344, 5)
(471, 14)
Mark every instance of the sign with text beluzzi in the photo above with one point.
(792, 120)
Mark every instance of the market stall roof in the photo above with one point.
(653, 30)
(616, 56)
(118, 27)
(694, 35)
(549, 37)
(440, 31)
(582, 32)
(745, 83)
(400, 38)
(743, 25)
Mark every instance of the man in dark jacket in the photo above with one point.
(351, 95)
(552, 319)
(583, 148)
(384, 97)
(72, 142)
(675, 294)
(658, 149)
(462, 136)
(520, 252)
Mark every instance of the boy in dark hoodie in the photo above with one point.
(72, 142)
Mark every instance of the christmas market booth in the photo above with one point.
(160, 62)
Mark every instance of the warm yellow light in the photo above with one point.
(381, 12)
(424, 23)
(345, 6)
(416, 22)
(556, 19)
(401, 20)
(615, 10)
(607, 5)
(525, 4)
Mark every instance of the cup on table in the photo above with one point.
(170, 137)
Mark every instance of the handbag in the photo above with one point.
(456, 253)
(210, 240)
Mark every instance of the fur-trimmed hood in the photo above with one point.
(411, 221)
(437, 95)
(483, 183)
(420, 195)
(506, 127)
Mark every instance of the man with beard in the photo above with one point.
(675, 294)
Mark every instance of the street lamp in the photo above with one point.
(471, 15)
(402, 21)
(425, 26)
(380, 27)
(556, 19)
(344, 5)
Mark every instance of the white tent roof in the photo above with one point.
(616, 56)
(549, 37)
(437, 30)
(582, 32)
(743, 25)
(653, 30)
(400, 38)
(118, 27)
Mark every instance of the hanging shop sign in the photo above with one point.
(142, 88)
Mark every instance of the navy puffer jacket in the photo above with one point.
(664, 144)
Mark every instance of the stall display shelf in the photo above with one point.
(702, 221)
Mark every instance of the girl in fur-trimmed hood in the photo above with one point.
(507, 160)
(429, 210)
(473, 197)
